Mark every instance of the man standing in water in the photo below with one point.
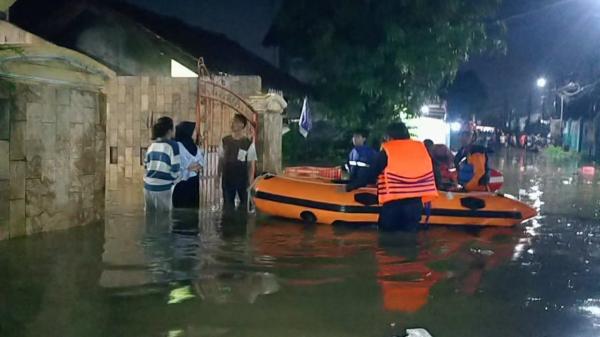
(237, 163)
(406, 180)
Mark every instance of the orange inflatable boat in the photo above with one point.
(317, 200)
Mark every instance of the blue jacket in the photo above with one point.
(360, 159)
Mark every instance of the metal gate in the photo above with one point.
(215, 107)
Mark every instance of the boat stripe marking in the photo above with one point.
(375, 209)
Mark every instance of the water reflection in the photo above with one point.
(206, 275)
(407, 266)
(190, 253)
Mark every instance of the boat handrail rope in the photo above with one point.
(250, 206)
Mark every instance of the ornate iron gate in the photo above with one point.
(215, 107)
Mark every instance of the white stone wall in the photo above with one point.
(55, 159)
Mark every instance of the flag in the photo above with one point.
(305, 119)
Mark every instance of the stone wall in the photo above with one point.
(269, 145)
(51, 158)
(135, 101)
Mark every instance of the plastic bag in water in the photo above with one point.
(417, 333)
(484, 252)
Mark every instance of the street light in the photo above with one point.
(425, 109)
(566, 91)
(541, 82)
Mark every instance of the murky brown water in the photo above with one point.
(135, 276)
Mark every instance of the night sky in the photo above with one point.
(559, 39)
(245, 21)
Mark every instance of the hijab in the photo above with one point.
(183, 134)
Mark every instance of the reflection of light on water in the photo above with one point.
(518, 251)
(179, 295)
(591, 307)
(594, 310)
(520, 248)
(531, 300)
(531, 229)
(175, 333)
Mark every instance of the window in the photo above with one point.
(114, 156)
(4, 120)
(143, 151)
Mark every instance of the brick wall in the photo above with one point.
(134, 101)
(51, 158)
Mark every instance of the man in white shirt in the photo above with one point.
(237, 163)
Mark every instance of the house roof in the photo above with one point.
(27, 57)
(60, 20)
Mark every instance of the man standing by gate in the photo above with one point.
(237, 164)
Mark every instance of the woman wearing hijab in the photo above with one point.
(186, 193)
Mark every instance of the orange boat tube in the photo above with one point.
(317, 200)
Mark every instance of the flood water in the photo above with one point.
(138, 276)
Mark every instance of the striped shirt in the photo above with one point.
(162, 165)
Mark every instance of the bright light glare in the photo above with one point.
(425, 109)
(429, 128)
(594, 310)
(455, 126)
(179, 70)
(541, 82)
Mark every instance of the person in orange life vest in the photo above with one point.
(472, 162)
(405, 180)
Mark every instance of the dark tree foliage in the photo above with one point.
(369, 60)
(466, 96)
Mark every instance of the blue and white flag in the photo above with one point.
(305, 119)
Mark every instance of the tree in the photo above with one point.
(466, 96)
(368, 60)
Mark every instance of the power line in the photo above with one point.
(536, 10)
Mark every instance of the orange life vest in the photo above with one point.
(408, 174)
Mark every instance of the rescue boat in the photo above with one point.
(315, 172)
(322, 201)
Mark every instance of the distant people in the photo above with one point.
(472, 162)
(237, 163)
(162, 165)
(503, 140)
(523, 140)
(406, 180)
(186, 193)
(361, 157)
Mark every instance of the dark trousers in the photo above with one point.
(401, 215)
(233, 188)
(186, 194)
